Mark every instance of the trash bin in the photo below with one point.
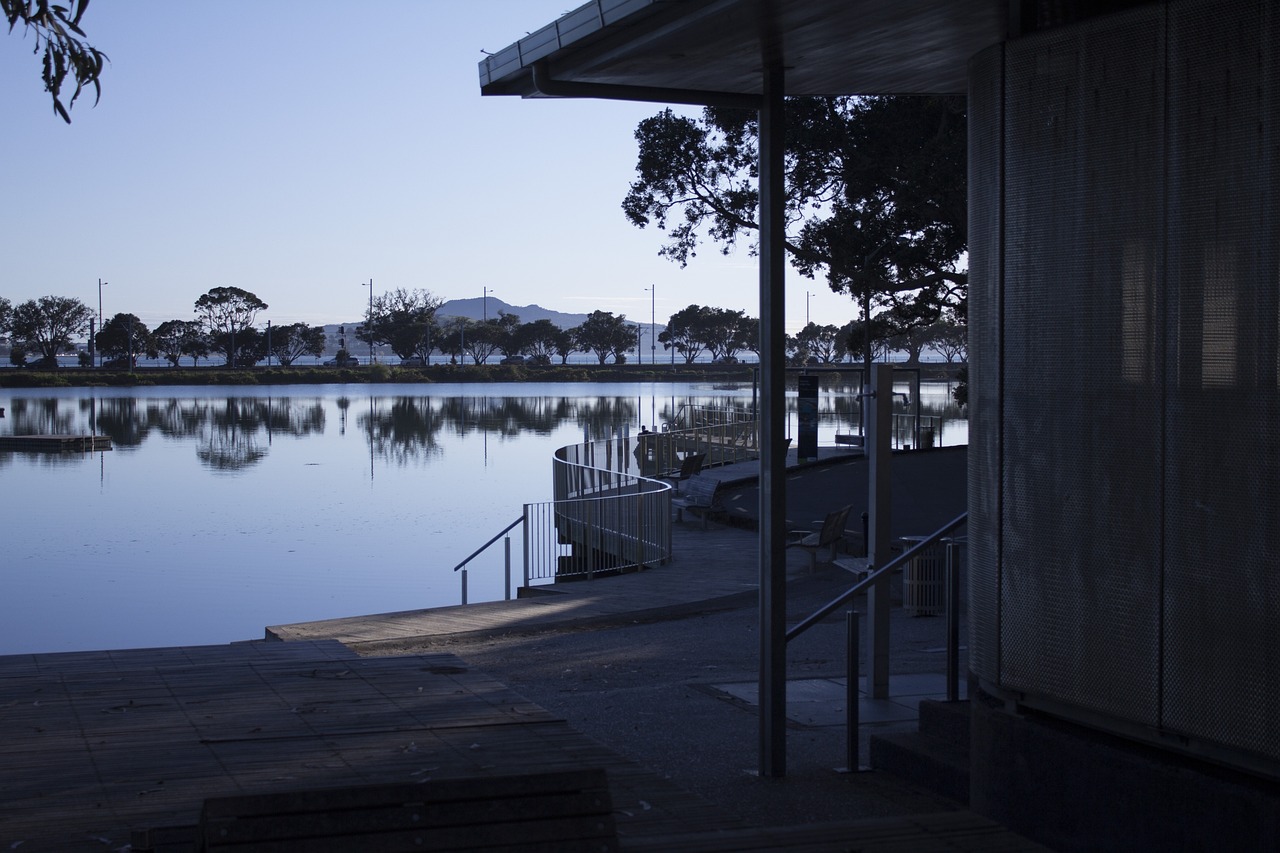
(923, 589)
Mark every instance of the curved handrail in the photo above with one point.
(829, 608)
(479, 550)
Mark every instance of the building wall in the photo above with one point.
(1125, 377)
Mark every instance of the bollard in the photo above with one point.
(851, 698)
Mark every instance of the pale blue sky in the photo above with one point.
(297, 148)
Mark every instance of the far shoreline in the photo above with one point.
(381, 374)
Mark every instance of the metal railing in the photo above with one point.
(477, 552)
(881, 576)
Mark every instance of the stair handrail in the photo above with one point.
(477, 552)
(874, 577)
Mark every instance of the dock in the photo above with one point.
(55, 443)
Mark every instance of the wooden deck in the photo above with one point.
(55, 443)
(99, 745)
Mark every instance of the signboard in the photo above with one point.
(807, 407)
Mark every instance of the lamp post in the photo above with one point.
(368, 322)
(484, 303)
(100, 284)
(807, 294)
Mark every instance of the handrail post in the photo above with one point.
(527, 544)
(464, 584)
(953, 621)
(506, 547)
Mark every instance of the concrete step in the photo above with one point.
(936, 757)
(946, 720)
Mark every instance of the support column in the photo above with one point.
(879, 452)
(773, 498)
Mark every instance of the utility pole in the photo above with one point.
(100, 284)
(368, 323)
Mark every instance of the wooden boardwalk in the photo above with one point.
(99, 745)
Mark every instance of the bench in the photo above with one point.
(700, 493)
(689, 466)
(828, 536)
(563, 811)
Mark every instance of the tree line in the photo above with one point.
(408, 322)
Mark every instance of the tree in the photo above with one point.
(48, 325)
(604, 334)
(510, 340)
(288, 343)
(404, 320)
(482, 339)
(246, 348)
(725, 332)
(176, 338)
(124, 336)
(876, 195)
(64, 46)
(452, 337)
(6, 316)
(540, 339)
(227, 312)
(820, 342)
(951, 340)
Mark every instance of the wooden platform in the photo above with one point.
(55, 443)
(97, 745)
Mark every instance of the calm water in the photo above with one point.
(221, 511)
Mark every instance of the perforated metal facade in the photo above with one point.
(1126, 374)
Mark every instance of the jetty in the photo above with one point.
(55, 443)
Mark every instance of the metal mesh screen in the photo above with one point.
(1126, 351)
(1222, 593)
(985, 138)
(1082, 477)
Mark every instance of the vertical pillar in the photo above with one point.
(773, 497)
(879, 452)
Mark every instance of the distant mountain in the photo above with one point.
(476, 309)
(472, 309)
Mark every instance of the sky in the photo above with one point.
(303, 149)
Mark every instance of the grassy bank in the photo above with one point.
(71, 377)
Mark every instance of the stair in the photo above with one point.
(936, 757)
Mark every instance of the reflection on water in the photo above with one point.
(222, 511)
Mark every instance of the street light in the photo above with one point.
(95, 347)
(807, 294)
(368, 323)
(484, 302)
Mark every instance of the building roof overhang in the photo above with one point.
(696, 51)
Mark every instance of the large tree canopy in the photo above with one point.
(66, 51)
(228, 312)
(605, 335)
(405, 320)
(49, 325)
(876, 195)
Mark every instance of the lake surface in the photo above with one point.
(223, 510)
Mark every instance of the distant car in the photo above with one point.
(349, 361)
(513, 359)
(541, 358)
(413, 361)
(728, 359)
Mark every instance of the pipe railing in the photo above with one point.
(477, 552)
(951, 583)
